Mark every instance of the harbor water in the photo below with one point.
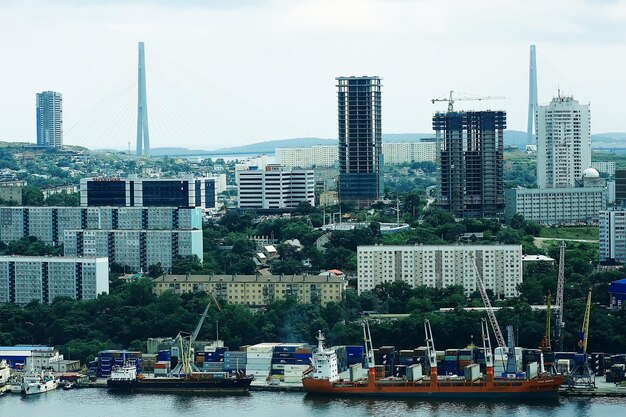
(100, 403)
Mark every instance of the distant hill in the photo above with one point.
(511, 138)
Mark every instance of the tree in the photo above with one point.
(412, 203)
(32, 196)
(155, 271)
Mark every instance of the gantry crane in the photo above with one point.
(560, 286)
(583, 335)
(581, 376)
(450, 99)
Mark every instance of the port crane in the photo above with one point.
(560, 287)
(451, 99)
(545, 344)
(581, 376)
(185, 342)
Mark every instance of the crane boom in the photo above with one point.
(206, 310)
(545, 343)
(450, 99)
(560, 286)
(583, 336)
(490, 312)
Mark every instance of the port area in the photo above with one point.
(603, 389)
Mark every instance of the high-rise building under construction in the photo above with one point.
(471, 182)
(360, 140)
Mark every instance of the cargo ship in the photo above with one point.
(324, 379)
(125, 379)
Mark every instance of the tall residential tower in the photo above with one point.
(471, 176)
(563, 142)
(360, 140)
(49, 119)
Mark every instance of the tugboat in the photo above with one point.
(185, 378)
(325, 379)
(38, 383)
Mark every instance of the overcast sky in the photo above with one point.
(229, 72)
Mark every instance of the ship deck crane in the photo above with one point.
(451, 99)
(431, 352)
(369, 349)
(490, 312)
(560, 287)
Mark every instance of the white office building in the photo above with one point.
(43, 278)
(136, 250)
(612, 240)
(48, 224)
(275, 188)
(556, 206)
(442, 266)
(563, 142)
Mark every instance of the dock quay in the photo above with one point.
(603, 389)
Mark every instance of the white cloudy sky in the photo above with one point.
(229, 72)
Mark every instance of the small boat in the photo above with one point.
(69, 386)
(5, 372)
(38, 383)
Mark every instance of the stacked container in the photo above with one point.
(355, 354)
(235, 361)
(259, 359)
(107, 359)
(162, 368)
(387, 357)
(449, 365)
(293, 356)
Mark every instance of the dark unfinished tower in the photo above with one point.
(471, 182)
(360, 140)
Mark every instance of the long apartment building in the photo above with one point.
(441, 266)
(42, 278)
(328, 156)
(275, 188)
(136, 250)
(257, 290)
(149, 192)
(48, 224)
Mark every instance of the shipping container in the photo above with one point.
(414, 372)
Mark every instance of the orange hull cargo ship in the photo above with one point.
(324, 379)
(487, 388)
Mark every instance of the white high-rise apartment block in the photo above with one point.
(328, 156)
(613, 235)
(563, 142)
(43, 278)
(275, 188)
(442, 266)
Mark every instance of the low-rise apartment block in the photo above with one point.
(257, 290)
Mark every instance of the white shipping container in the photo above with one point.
(414, 372)
(532, 370)
(472, 372)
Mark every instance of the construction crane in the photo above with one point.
(560, 286)
(583, 335)
(450, 99)
(490, 312)
(545, 342)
